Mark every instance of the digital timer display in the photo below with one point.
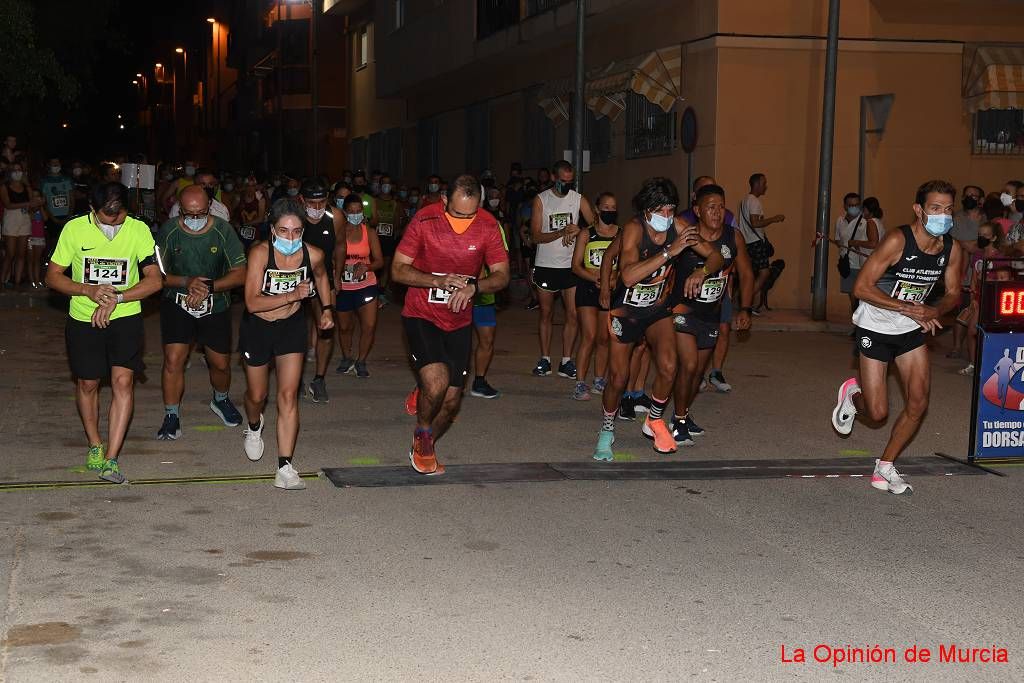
(1010, 301)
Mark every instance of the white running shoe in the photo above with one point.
(888, 479)
(254, 442)
(288, 479)
(845, 412)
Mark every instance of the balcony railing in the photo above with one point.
(535, 7)
(493, 16)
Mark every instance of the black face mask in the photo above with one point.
(487, 182)
(1018, 205)
(983, 242)
(210, 192)
(969, 203)
(610, 217)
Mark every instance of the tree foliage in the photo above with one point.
(29, 70)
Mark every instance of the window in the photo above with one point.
(535, 7)
(597, 136)
(539, 134)
(478, 137)
(999, 131)
(399, 14)
(426, 148)
(362, 47)
(393, 161)
(359, 154)
(650, 132)
(495, 15)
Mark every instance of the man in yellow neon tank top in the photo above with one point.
(113, 269)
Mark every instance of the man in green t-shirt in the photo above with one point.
(112, 270)
(485, 328)
(202, 260)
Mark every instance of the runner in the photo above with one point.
(387, 223)
(357, 259)
(899, 304)
(202, 260)
(587, 259)
(280, 275)
(553, 228)
(113, 268)
(321, 229)
(442, 250)
(651, 243)
(698, 318)
(485, 327)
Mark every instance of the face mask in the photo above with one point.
(414, 200)
(55, 170)
(433, 188)
(562, 187)
(287, 247)
(983, 242)
(293, 192)
(609, 217)
(340, 202)
(16, 175)
(77, 172)
(355, 218)
(229, 187)
(1006, 199)
(494, 203)
(315, 214)
(374, 188)
(385, 188)
(1018, 205)
(938, 225)
(402, 194)
(106, 228)
(195, 224)
(210, 192)
(190, 171)
(969, 203)
(347, 179)
(854, 211)
(660, 223)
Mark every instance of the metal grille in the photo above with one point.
(650, 132)
(535, 7)
(359, 153)
(597, 136)
(375, 152)
(393, 161)
(478, 137)
(999, 131)
(426, 148)
(495, 15)
(539, 133)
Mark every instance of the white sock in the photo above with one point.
(547, 358)
(884, 466)
(565, 359)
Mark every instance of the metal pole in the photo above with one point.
(578, 106)
(828, 124)
(280, 86)
(314, 89)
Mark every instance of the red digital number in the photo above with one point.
(1011, 302)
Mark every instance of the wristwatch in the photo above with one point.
(472, 281)
(120, 298)
(664, 252)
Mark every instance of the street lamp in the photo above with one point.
(211, 20)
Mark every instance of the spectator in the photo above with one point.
(1015, 232)
(989, 242)
(205, 178)
(57, 189)
(1007, 197)
(37, 241)
(110, 172)
(965, 232)
(252, 209)
(10, 154)
(80, 193)
(230, 196)
(433, 194)
(856, 237)
(752, 224)
(16, 197)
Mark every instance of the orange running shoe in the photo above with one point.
(657, 431)
(411, 400)
(421, 455)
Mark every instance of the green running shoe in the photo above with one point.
(112, 473)
(604, 446)
(96, 458)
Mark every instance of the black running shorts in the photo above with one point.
(260, 340)
(92, 351)
(210, 331)
(429, 344)
(554, 279)
(705, 332)
(886, 347)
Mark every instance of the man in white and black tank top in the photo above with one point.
(554, 225)
(906, 285)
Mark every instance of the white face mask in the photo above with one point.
(195, 224)
(55, 170)
(76, 172)
(315, 214)
(190, 171)
(355, 218)
(107, 229)
(494, 203)
(16, 176)
(385, 188)
(1006, 199)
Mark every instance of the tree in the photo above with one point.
(29, 70)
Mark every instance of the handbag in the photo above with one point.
(843, 265)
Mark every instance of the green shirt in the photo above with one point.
(210, 254)
(96, 260)
(488, 298)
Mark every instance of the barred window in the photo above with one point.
(597, 136)
(999, 131)
(649, 131)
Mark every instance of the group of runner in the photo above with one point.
(655, 286)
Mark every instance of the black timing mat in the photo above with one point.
(590, 470)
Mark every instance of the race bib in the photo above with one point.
(642, 295)
(385, 230)
(594, 256)
(911, 292)
(59, 201)
(348, 275)
(277, 282)
(104, 271)
(438, 295)
(205, 308)
(558, 221)
(712, 289)
(247, 232)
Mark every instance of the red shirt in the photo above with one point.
(435, 248)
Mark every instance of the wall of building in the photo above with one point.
(369, 113)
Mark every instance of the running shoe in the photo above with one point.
(658, 432)
(96, 458)
(627, 409)
(599, 384)
(581, 392)
(845, 411)
(966, 371)
(170, 430)
(288, 479)
(888, 479)
(567, 369)
(717, 380)
(422, 455)
(227, 412)
(411, 400)
(694, 428)
(604, 446)
(681, 433)
(311, 355)
(254, 442)
(361, 371)
(643, 404)
(703, 385)
(543, 368)
(112, 473)
(481, 389)
(317, 390)
(532, 305)
(345, 367)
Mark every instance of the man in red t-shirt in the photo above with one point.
(443, 249)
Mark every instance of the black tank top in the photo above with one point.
(914, 277)
(17, 197)
(321, 235)
(277, 281)
(650, 295)
(707, 305)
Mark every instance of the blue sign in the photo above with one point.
(1000, 400)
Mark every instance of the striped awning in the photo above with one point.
(656, 76)
(993, 76)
